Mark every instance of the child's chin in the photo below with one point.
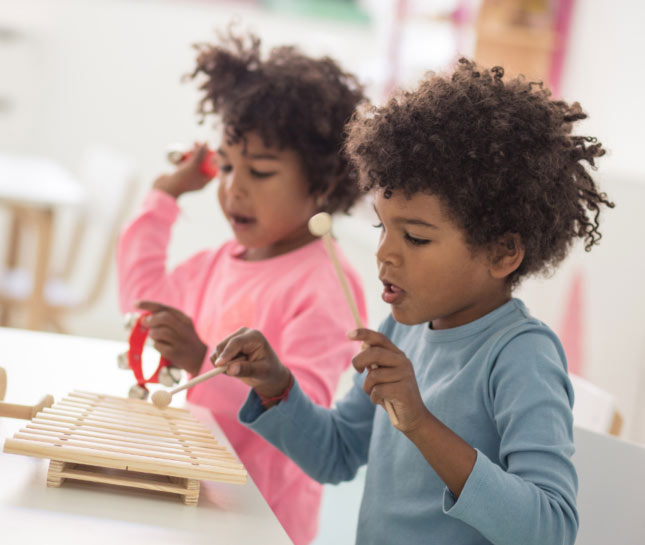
(247, 240)
(405, 318)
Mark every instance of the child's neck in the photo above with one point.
(278, 248)
(477, 310)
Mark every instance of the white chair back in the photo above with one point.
(110, 179)
(611, 493)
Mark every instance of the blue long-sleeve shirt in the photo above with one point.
(501, 384)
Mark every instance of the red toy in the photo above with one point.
(208, 166)
(165, 374)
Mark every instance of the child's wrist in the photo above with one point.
(274, 395)
(163, 184)
(422, 425)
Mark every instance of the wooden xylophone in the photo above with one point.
(127, 442)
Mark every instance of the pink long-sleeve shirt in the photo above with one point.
(295, 299)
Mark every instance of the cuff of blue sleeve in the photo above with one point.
(471, 493)
(252, 408)
(253, 411)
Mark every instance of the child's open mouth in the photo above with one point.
(391, 293)
(241, 222)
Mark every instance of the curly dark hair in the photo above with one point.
(498, 154)
(292, 100)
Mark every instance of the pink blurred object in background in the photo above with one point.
(572, 325)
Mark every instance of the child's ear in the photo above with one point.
(321, 200)
(507, 255)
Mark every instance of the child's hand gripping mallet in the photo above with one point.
(162, 398)
(320, 226)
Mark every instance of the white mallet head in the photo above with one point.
(320, 224)
(161, 399)
(175, 153)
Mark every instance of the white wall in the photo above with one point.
(602, 71)
(108, 71)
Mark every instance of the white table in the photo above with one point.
(43, 363)
(35, 187)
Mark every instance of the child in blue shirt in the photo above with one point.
(478, 182)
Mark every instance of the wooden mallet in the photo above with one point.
(3, 383)
(161, 398)
(13, 410)
(320, 226)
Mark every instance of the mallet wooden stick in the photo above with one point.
(162, 398)
(3, 383)
(25, 412)
(320, 226)
(13, 410)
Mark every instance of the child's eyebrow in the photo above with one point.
(263, 156)
(413, 221)
(407, 221)
(221, 152)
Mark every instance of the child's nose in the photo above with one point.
(235, 184)
(387, 251)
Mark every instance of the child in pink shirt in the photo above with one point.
(280, 160)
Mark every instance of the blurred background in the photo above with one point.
(91, 96)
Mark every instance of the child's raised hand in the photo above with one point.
(188, 177)
(174, 336)
(249, 356)
(390, 376)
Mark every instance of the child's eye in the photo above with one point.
(226, 168)
(258, 174)
(416, 241)
(378, 226)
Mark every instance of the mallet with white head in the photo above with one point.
(320, 226)
(162, 398)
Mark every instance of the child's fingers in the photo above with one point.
(395, 388)
(381, 375)
(376, 356)
(202, 150)
(372, 338)
(155, 308)
(165, 349)
(162, 333)
(164, 318)
(247, 355)
(162, 314)
(243, 368)
(196, 156)
(376, 394)
(222, 344)
(244, 344)
(150, 306)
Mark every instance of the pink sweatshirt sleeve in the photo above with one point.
(142, 253)
(314, 343)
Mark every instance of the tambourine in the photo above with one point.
(165, 374)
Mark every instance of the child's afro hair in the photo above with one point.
(498, 154)
(292, 100)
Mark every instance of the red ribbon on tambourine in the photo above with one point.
(165, 373)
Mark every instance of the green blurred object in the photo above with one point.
(343, 10)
